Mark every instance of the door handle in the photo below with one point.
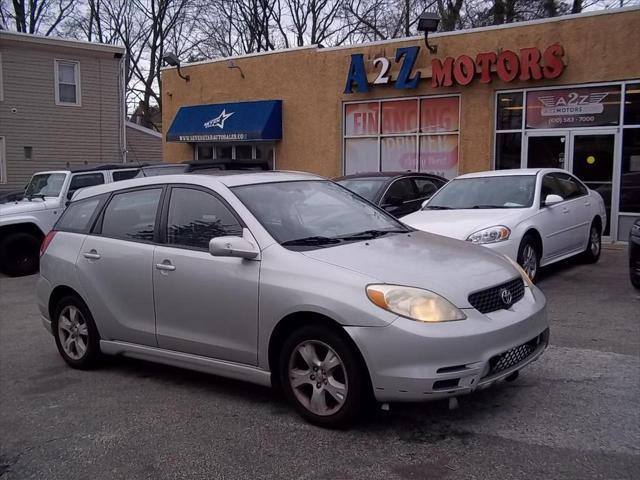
(588, 204)
(165, 267)
(92, 255)
(565, 210)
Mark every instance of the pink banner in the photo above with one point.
(439, 114)
(439, 155)
(400, 116)
(362, 118)
(399, 154)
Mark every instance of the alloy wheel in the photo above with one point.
(73, 332)
(594, 242)
(529, 261)
(318, 377)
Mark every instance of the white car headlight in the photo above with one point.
(499, 233)
(414, 303)
(525, 277)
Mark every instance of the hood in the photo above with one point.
(22, 206)
(450, 268)
(462, 223)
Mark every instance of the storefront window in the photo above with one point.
(361, 155)
(399, 154)
(630, 183)
(508, 150)
(362, 119)
(440, 114)
(244, 152)
(400, 116)
(224, 152)
(509, 111)
(574, 107)
(414, 134)
(632, 104)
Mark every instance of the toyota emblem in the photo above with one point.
(506, 296)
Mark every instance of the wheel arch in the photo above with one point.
(597, 220)
(533, 232)
(296, 320)
(58, 293)
(24, 227)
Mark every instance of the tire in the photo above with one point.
(328, 397)
(594, 244)
(80, 328)
(529, 257)
(635, 279)
(19, 254)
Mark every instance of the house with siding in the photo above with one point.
(62, 106)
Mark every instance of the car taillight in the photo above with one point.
(47, 241)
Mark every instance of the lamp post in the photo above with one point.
(172, 60)
(428, 22)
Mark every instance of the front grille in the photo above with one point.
(498, 297)
(514, 356)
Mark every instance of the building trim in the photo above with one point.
(61, 42)
(142, 129)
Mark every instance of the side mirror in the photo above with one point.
(552, 199)
(233, 246)
(425, 203)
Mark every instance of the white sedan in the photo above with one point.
(534, 216)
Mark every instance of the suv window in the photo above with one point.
(124, 174)
(550, 186)
(570, 187)
(402, 189)
(195, 217)
(85, 180)
(132, 215)
(77, 217)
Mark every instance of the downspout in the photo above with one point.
(123, 109)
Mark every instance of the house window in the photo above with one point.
(67, 77)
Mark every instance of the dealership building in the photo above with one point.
(561, 92)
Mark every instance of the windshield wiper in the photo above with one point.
(369, 234)
(35, 195)
(488, 206)
(310, 241)
(436, 207)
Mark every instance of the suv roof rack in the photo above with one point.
(108, 166)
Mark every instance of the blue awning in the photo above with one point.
(228, 122)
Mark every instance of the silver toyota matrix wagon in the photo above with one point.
(284, 279)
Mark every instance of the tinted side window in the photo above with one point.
(571, 188)
(550, 186)
(124, 174)
(86, 180)
(402, 189)
(195, 217)
(132, 215)
(77, 217)
(426, 187)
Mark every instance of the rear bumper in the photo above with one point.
(412, 361)
(43, 293)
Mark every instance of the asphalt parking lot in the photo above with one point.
(573, 414)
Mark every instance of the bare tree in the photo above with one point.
(35, 16)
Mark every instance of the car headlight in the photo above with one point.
(525, 277)
(414, 303)
(499, 233)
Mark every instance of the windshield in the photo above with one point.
(45, 185)
(315, 213)
(365, 187)
(509, 191)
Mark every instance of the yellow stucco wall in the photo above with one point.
(310, 82)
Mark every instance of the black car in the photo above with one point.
(399, 193)
(634, 254)
(201, 167)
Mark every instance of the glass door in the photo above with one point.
(592, 161)
(546, 150)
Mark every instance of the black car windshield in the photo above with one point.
(45, 185)
(366, 187)
(315, 213)
(508, 191)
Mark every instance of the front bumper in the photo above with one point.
(506, 247)
(413, 361)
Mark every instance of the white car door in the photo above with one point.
(556, 221)
(581, 206)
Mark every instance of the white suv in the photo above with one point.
(24, 223)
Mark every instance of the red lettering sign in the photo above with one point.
(530, 64)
